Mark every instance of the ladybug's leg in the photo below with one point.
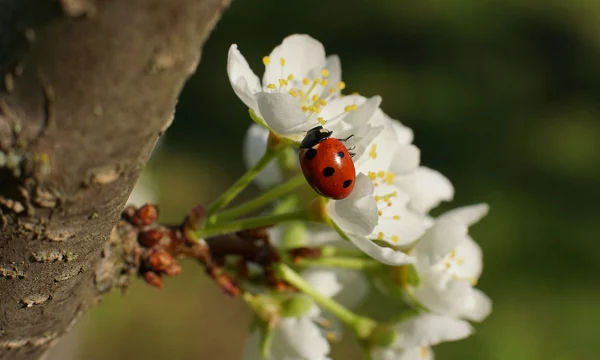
(351, 154)
(346, 139)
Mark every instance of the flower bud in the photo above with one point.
(145, 215)
(153, 279)
(150, 238)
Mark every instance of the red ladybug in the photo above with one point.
(326, 163)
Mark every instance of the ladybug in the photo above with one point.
(326, 163)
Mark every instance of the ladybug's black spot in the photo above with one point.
(341, 154)
(310, 154)
(328, 171)
(347, 183)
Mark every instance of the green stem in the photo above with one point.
(262, 200)
(337, 229)
(250, 223)
(362, 326)
(327, 251)
(342, 262)
(240, 185)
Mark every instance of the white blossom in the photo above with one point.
(300, 90)
(302, 337)
(255, 146)
(377, 209)
(449, 264)
(415, 336)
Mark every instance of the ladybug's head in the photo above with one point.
(314, 136)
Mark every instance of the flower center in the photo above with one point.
(384, 203)
(311, 93)
(453, 265)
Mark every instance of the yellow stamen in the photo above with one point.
(282, 61)
(452, 254)
(390, 178)
(290, 77)
(379, 212)
(396, 217)
(341, 85)
(395, 238)
(381, 174)
(321, 121)
(332, 90)
(305, 81)
(315, 97)
(325, 73)
(372, 175)
(322, 102)
(271, 86)
(380, 236)
(373, 152)
(266, 60)
(424, 352)
(324, 82)
(282, 82)
(293, 92)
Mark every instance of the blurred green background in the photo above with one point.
(503, 97)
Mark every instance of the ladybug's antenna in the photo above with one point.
(346, 139)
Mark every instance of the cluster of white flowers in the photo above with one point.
(386, 216)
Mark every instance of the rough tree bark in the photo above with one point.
(87, 87)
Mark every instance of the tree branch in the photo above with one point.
(88, 86)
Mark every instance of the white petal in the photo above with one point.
(365, 111)
(430, 329)
(325, 281)
(397, 225)
(377, 156)
(357, 213)
(467, 215)
(482, 307)
(385, 255)
(404, 134)
(426, 187)
(416, 353)
(406, 159)
(439, 241)
(302, 54)
(282, 113)
(467, 260)
(443, 295)
(334, 66)
(298, 338)
(334, 113)
(255, 145)
(355, 287)
(244, 82)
